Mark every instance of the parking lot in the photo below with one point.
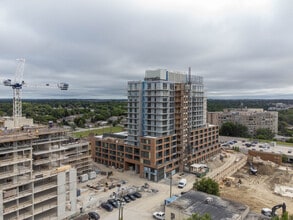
(245, 145)
(152, 198)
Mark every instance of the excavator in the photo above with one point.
(272, 212)
(252, 169)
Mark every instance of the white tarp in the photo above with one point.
(284, 190)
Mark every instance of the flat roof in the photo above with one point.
(198, 165)
(201, 203)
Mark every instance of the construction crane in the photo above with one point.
(17, 85)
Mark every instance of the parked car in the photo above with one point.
(182, 183)
(94, 215)
(113, 202)
(159, 215)
(107, 206)
(137, 195)
(132, 197)
(126, 198)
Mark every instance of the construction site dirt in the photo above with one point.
(256, 191)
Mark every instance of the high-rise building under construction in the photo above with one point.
(167, 129)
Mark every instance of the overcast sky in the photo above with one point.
(243, 49)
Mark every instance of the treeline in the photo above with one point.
(219, 104)
(92, 110)
(43, 111)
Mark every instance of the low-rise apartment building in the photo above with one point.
(252, 118)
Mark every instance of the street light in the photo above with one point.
(121, 204)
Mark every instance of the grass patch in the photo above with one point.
(98, 131)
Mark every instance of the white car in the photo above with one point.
(159, 215)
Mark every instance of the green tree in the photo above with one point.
(79, 121)
(196, 216)
(285, 216)
(207, 185)
(264, 133)
(233, 130)
(284, 158)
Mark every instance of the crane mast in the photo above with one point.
(17, 85)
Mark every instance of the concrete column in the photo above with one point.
(61, 191)
(1, 205)
(73, 190)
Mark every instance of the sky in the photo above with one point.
(242, 48)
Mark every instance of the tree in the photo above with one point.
(233, 130)
(200, 217)
(285, 216)
(207, 185)
(264, 133)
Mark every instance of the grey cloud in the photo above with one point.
(97, 46)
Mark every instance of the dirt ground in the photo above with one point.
(150, 202)
(258, 191)
(254, 191)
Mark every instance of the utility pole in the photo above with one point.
(120, 213)
(170, 184)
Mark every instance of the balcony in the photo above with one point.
(15, 172)
(14, 160)
(45, 208)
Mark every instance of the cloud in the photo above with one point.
(241, 48)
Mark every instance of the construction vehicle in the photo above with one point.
(252, 169)
(17, 84)
(272, 212)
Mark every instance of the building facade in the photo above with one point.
(39, 169)
(253, 119)
(167, 129)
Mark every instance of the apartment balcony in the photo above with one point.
(17, 207)
(41, 188)
(16, 172)
(14, 160)
(49, 160)
(24, 180)
(45, 207)
(47, 151)
(76, 157)
(12, 197)
(74, 145)
(49, 140)
(23, 215)
(45, 197)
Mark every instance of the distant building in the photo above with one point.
(252, 118)
(166, 125)
(198, 202)
(280, 106)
